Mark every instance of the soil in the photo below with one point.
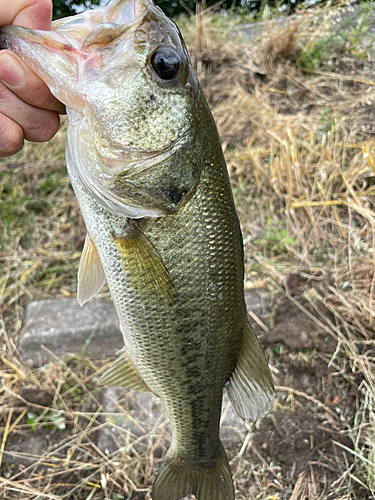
(297, 441)
(315, 406)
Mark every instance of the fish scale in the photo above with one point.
(145, 162)
(210, 322)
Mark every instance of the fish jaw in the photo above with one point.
(99, 65)
(60, 57)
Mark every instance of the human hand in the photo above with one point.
(28, 110)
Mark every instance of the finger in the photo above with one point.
(11, 136)
(19, 78)
(36, 14)
(37, 124)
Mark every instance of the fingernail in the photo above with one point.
(11, 72)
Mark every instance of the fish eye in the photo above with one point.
(165, 62)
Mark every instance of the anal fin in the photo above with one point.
(123, 373)
(250, 388)
(91, 275)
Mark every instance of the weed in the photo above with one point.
(277, 238)
(325, 51)
(49, 420)
(351, 40)
(277, 349)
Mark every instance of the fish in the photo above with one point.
(145, 161)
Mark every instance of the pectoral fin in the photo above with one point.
(250, 388)
(123, 373)
(91, 275)
(146, 268)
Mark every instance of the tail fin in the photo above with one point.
(211, 482)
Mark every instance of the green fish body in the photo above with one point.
(146, 165)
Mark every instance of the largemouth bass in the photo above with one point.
(145, 162)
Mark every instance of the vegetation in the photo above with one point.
(295, 115)
(173, 8)
(65, 8)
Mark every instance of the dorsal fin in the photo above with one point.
(91, 275)
(250, 388)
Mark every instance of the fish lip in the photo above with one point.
(10, 33)
(14, 32)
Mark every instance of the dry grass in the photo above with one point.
(294, 115)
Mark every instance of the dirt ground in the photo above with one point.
(315, 407)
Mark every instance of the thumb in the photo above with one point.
(36, 14)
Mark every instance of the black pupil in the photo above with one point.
(165, 63)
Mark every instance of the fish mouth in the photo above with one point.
(101, 27)
(75, 45)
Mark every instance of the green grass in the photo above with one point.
(25, 202)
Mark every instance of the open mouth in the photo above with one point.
(74, 44)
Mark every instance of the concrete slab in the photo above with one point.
(136, 421)
(64, 327)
